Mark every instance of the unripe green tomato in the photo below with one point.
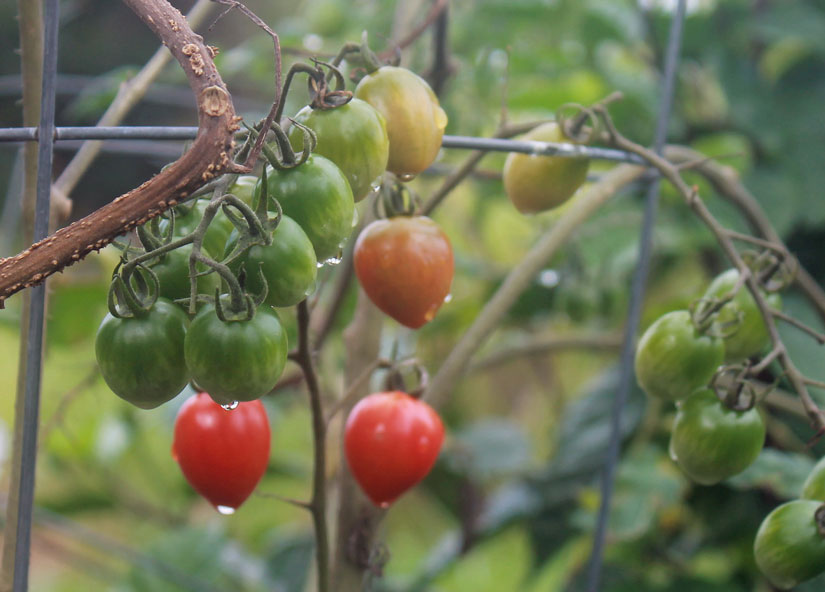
(814, 486)
(236, 360)
(415, 120)
(288, 264)
(244, 189)
(789, 548)
(353, 136)
(711, 442)
(673, 359)
(751, 337)
(141, 357)
(535, 183)
(317, 196)
(219, 228)
(173, 274)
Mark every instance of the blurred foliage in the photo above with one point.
(511, 505)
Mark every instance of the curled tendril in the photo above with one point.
(572, 119)
(740, 394)
(774, 269)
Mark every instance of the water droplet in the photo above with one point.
(375, 185)
(406, 177)
(231, 406)
(549, 278)
(440, 117)
(448, 298)
(311, 288)
(336, 259)
(384, 505)
(225, 510)
(355, 217)
(319, 265)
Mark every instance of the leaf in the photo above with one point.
(781, 472)
(489, 448)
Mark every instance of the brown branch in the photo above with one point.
(543, 345)
(208, 156)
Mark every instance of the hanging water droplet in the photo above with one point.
(225, 510)
(384, 505)
(440, 117)
(336, 259)
(448, 298)
(355, 217)
(376, 184)
(319, 265)
(311, 288)
(231, 406)
(406, 177)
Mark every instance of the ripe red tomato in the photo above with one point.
(405, 265)
(391, 441)
(222, 453)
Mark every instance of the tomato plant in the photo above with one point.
(288, 264)
(391, 441)
(405, 265)
(236, 360)
(318, 197)
(222, 453)
(750, 335)
(415, 120)
(710, 441)
(353, 136)
(790, 546)
(172, 270)
(535, 183)
(673, 358)
(141, 357)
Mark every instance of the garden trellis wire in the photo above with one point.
(47, 134)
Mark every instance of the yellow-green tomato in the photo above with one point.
(751, 336)
(353, 136)
(536, 183)
(789, 548)
(673, 359)
(711, 442)
(415, 120)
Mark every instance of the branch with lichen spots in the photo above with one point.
(210, 155)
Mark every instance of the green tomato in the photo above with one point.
(535, 183)
(415, 120)
(141, 357)
(711, 442)
(288, 264)
(789, 548)
(353, 136)
(244, 189)
(318, 197)
(219, 229)
(236, 360)
(673, 359)
(814, 486)
(752, 336)
(173, 274)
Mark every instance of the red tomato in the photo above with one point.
(405, 265)
(223, 453)
(391, 442)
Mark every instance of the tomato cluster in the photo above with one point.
(714, 436)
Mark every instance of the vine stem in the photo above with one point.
(318, 503)
(691, 196)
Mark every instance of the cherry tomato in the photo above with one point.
(391, 441)
(244, 189)
(415, 120)
(172, 270)
(318, 197)
(711, 442)
(535, 183)
(405, 265)
(219, 228)
(751, 336)
(222, 453)
(814, 486)
(288, 264)
(236, 360)
(141, 357)
(673, 359)
(789, 548)
(353, 136)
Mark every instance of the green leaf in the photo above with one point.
(781, 472)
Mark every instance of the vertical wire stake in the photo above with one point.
(635, 307)
(34, 351)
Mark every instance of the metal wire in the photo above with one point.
(30, 134)
(34, 348)
(635, 307)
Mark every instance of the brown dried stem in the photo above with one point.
(208, 156)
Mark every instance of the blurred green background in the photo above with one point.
(511, 503)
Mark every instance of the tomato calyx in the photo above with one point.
(321, 96)
(773, 268)
(395, 199)
(128, 298)
(738, 393)
(397, 378)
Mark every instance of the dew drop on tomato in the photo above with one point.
(225, 510)
(448, 298)
(406, 177)
(231, 406)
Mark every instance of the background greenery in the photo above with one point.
(512, 501)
